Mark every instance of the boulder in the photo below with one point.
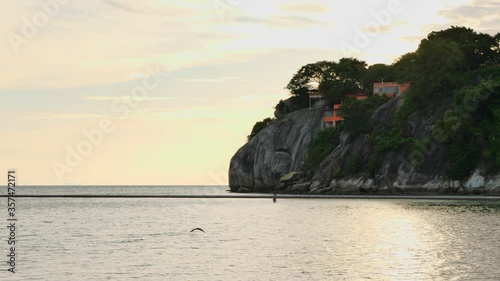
(243, 190)
(276, 151)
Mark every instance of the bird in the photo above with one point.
(197, 229)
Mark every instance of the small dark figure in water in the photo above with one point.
(274, 197)
(197, 229)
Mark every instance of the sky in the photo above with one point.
(164, 92)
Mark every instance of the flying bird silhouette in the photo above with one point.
(197, 229)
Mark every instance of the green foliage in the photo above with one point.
(389, 140)
(294, 103)
(346, 78)
(324, 144)
(448, 127)
(412, 102)
(472, 105)
(377, 73)
(312, 73)
(463, 160)
(299, 102)
(373, 166)
(282, 108)
(334, 79)
(492, 135)
(337, 173)
(455, 64)
(438, 62)
(354, 164)
(259, 126)
(419, 147)
(357, 113)
(479, 49)
(405, 68)
(472, 125)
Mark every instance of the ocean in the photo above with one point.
(246, 238)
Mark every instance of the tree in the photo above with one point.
(497, 49)
(324, 143)
(405, 68)
(334, 79)
(259, 126)
(438, 63)
(312, 73)
(377, 73)
(346, 78)
(357, 113)
(479, 49)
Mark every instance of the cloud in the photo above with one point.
(211, 80)
(38, 116)
(479, 15)
(377, 29)
(279, 21)
(120, 6)
(121, 98)
(304, 8)
(150, 8)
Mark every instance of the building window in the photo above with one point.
(329, 113)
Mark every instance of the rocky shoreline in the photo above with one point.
(273, 160)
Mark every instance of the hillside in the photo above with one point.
(441, 136)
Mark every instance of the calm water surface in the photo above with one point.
(249, 239)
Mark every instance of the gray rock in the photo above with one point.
(299, 188)
(348, 190)
(315, 184)
(494, 191)
(397, 169)
(275, 151)
(475, 181)
(244, 190)
(333, 184)
(422, 167)
(383, 190)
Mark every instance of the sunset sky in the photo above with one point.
(177, 85)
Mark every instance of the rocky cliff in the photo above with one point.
(418, 168)
(277, 150)
(410, 169)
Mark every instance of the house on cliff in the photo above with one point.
(389, 89)
(331, 106)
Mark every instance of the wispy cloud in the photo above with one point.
(305, 8)
(120, 6)
(481, 15)
(150, 8)
(279, 21)
(38, 116)
(122, 98)
(211, 80)
(378, 29)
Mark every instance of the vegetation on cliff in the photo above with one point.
(259, 126)
(324, 143)
(458, 68)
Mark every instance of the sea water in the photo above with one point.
(249, 238)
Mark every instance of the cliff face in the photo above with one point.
(409, 169)
(277, 150)
(422, 167)
(393, 171)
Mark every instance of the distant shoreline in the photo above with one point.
(282, 196)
